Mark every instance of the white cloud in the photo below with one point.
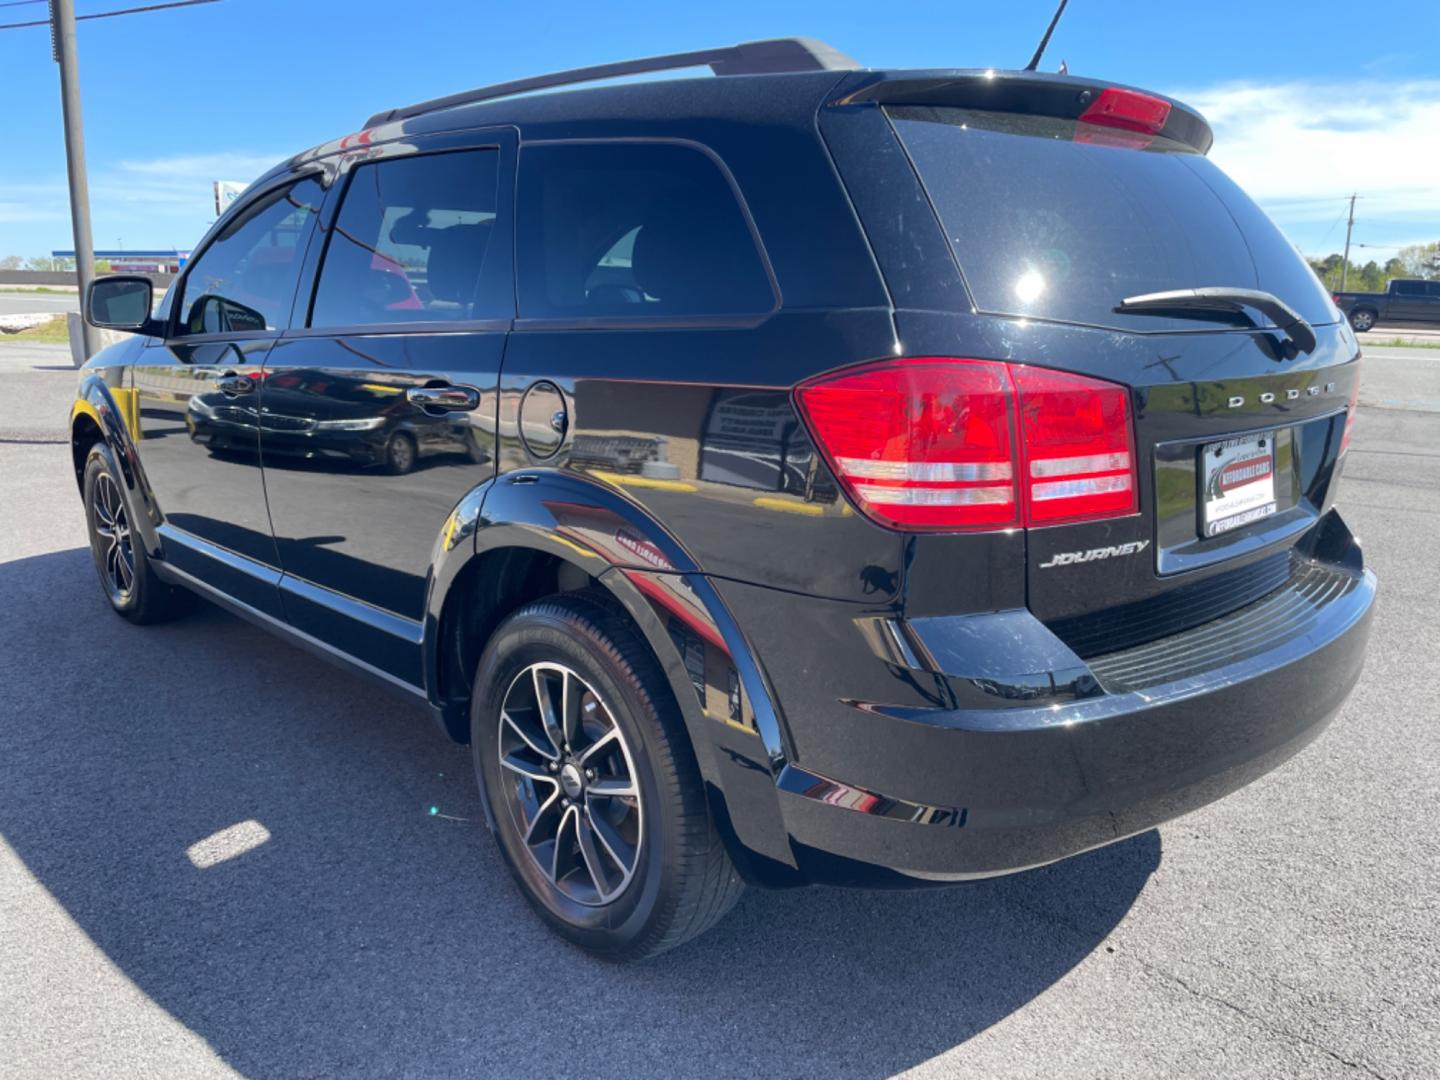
(162, 179)
(1300, 148)
(157, 202)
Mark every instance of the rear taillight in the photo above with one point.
(1129, 110)
(966, 445)
(1350, 410)
(1079, 457)
(921, 444)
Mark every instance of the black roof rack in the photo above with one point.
(748, 58)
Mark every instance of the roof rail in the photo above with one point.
(748, 58)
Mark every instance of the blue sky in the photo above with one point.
(1310, 100)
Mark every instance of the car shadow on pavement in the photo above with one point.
(375, 931)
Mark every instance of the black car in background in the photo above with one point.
(1404, 302)
(328, 417)
(869, 477)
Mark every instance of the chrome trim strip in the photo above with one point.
(285, 630)
(249, 567)
(808, 785)
(407, 630)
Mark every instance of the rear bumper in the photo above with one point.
(901, 795)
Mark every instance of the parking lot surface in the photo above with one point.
(363, 925)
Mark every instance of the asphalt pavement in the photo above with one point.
(364, 926)
(25, 303)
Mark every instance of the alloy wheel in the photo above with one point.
(112, 525)
(402, 454)
(569, 783)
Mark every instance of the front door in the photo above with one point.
(379, 415)
(198, 396)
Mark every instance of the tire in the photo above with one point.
(400, 454)
(680, 880)
(1362, 319)
(126, 577)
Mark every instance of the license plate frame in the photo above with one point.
(1237, 482)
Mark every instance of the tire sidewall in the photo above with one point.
(548, 635)
(1357, 316)
(101, 460)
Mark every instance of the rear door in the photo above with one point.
(378, 415)
(198, 394)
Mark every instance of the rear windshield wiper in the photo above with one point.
(1235, 301)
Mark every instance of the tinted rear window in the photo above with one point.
(633, 231)
(1054, 220)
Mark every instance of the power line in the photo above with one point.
(22, 3)
(1331, 229)
(108, 14)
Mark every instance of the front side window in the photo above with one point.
(411, 243)
(245, 278)
(633, 230)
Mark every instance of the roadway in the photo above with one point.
(1292, 929)
(27, 303)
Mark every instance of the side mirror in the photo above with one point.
(121, 302)
(218, 315)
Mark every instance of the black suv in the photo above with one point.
(815, 474)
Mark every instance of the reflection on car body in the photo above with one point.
(327, 418)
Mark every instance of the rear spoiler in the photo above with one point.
(1026, 92)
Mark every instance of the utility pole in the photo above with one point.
(1345, 263)
(62, 42)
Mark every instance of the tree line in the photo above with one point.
(1415, 261)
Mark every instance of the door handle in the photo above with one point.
(234, 385)
(444, 398)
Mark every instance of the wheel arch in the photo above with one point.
(105, 413)
(540, 533)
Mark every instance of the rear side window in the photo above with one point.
(412, 243)
(1057, 220)
(632, 231)
(245, 278)
(1410, 288)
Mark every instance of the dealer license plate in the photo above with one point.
(1239, 482)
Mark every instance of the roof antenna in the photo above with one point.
(1040, 50)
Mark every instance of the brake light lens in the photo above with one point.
(1078, 452)
(921, 444)
(946, 445)
(1350, 410)
(1129, 110)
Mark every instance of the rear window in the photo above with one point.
(1051, 219)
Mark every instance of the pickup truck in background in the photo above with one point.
(1405, 301)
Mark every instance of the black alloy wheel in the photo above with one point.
(572, 795)
(111, 526)
(590, 783)
(129, 582)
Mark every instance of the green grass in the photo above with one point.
(24, 290)
(51, 332)
(1405, 343)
